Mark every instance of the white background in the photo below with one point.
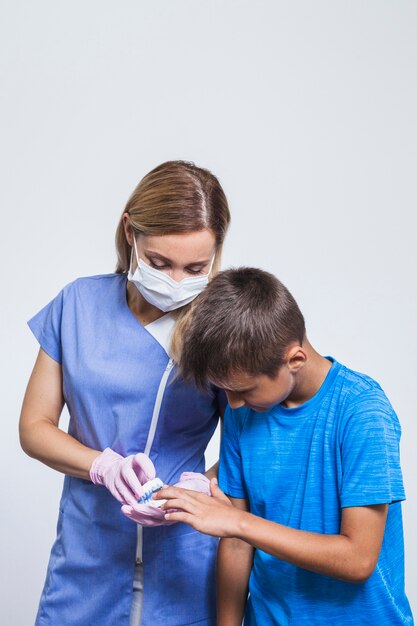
(306, 111)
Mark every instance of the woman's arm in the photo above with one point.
(40, 436)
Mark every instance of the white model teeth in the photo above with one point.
(150, 488)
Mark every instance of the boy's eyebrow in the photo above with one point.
(235, 389)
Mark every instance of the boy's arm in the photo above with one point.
(234, 564)
(351, 555)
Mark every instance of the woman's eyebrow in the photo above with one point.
(150, 253)
(199, 262)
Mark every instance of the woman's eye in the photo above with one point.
(158, 267)
(192, 271)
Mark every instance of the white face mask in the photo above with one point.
(163, 291)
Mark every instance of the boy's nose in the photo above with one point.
(235, 400)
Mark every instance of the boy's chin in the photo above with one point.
(258, 409)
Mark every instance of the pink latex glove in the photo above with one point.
(123, 476)
(146, 515)
(194, 482)
(151, 515)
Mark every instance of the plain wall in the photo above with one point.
(306, 111)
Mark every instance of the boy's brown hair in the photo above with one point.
(243, 321)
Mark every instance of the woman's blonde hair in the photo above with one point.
(175, 197)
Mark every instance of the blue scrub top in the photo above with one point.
(112, 367)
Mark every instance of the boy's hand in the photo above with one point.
(212, 515)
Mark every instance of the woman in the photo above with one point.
(107, 348)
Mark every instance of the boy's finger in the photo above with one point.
(174, 503)
(179, 503)
(177, 492)
(179, 516)
(165, 492)
(216, 491)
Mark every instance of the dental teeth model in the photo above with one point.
(150, 488)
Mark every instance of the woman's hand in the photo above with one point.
(213, 515)
(153, 514)
(123, 476)
(146, 515)
(194, 482)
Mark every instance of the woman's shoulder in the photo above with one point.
(93, 284)
(101, 288)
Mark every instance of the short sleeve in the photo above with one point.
(370, 455)
(46, 326)
(231, 479)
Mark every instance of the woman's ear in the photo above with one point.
(127, 226)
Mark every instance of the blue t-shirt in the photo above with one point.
(300, 467)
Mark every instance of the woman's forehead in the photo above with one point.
(187, 247)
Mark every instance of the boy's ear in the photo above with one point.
(296, 358)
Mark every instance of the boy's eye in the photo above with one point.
(247, 394)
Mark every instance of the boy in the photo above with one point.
(309, 460)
